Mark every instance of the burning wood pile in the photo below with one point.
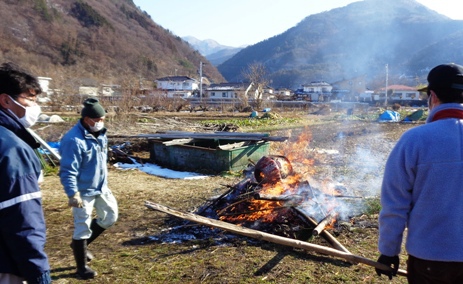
(277, 204)
(275, 199)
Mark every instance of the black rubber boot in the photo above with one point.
(96, 231)
(80, 255)
(89, 254)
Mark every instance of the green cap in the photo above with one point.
(93, 109)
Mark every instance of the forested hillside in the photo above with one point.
(93, 41)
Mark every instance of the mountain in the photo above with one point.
(205, 47)
(99, 41)
(353, 41)
(214, 52)
(223, 55)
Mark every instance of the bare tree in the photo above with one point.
(258, 77)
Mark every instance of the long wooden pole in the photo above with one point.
(269, 237)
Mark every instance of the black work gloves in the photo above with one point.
(391, 261)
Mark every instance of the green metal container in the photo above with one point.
(208, 156)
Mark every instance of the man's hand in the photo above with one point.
(75, 201)
(391, 261)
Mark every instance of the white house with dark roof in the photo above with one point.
(178, 86)
(317, 87)
(225, 91)
(317, 90)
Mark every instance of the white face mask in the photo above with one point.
(97, 126)
(30, 117)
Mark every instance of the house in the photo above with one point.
(90, 91)
(178, 86)
(283, 94)
(399, 93)
(351, 89)
(226, 91)
(316, 91)
(268, 93)
(367, 96)
(44, 83)
(317, 87)
(110, 90)
(103, 90)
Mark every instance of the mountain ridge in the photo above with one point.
(355, 40)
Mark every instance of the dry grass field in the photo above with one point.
(129, 253)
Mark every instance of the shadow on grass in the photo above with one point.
(281, 251)
(63, 272)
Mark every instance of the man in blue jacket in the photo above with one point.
(422, 188)
(84, 176)
(22, 222)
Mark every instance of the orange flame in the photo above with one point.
(267, 211)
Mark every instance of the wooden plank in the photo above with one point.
(178, 141)
(208, 136)
(269, 237)
(217, 133)
(233, 145)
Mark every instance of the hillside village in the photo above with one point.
(190, 91)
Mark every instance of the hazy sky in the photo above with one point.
(244, 22)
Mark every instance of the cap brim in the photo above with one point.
(425, 89)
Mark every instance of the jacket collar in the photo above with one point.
(11, 123)
(451, 110)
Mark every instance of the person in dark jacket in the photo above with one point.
(84, 176)
(22, 222)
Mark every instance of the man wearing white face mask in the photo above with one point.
(84, 176)
(22, 223)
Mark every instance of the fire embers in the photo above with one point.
(271, 169)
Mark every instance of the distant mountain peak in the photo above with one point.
(207, 46)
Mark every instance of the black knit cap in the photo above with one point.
(93, 109)
(445, 76)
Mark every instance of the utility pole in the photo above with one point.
(201, 81)
(387, 75)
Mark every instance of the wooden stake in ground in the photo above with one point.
(269, 237)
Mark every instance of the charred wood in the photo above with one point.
(329, 219)
(324, 234)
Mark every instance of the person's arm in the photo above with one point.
(396, 198)
(71, 160)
